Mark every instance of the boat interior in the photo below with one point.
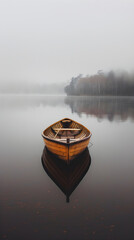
(66, 130)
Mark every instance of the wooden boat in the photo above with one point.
(66, 177)
(66, 138)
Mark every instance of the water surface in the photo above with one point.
(33, 206)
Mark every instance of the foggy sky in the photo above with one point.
(48, 41)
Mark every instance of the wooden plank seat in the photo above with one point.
(65, 139)
(63, 132)
(71, 139)
(66, 129)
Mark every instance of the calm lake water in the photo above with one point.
(33, 206)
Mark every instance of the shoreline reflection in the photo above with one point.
(102, 107)
(110, 108)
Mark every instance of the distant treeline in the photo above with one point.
(102, 84)
(32, 88)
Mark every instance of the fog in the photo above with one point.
(32, 88)
(49, 41)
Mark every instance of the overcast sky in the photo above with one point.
(52, 40)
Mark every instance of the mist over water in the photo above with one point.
(113, 83)
(31, 88)
(44, 42)
(81, 53)
(32, 204)
(111, 108)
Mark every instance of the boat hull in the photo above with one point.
(66, 139)
(67, 152)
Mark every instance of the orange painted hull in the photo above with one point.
(63, 149)
(66, 152)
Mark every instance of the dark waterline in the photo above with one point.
(33, 205)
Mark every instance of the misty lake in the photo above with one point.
(101, 207)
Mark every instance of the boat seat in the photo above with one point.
(70, 132)
(66, 129)
(65, 139)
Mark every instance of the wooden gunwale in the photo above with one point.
(67, 143)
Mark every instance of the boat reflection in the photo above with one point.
(66, 177)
